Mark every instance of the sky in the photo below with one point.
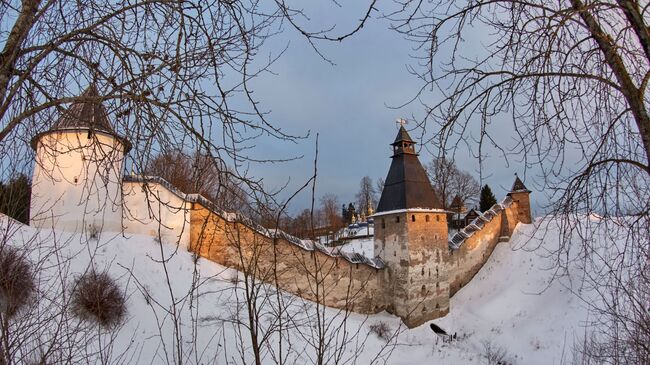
(351, 105)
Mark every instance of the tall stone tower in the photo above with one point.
(411, 239)
(77, 181)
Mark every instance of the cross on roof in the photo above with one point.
(401, 121)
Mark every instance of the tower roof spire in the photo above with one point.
(407, 185)
(402, 136)
(519, 186)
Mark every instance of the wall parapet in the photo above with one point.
(235, 217)
(457, 240)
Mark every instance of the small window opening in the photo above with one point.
(437, 218)
(397, 219)
(413, 218)
(383, 223)
(426, 218)
(90, 134)
(76, 179)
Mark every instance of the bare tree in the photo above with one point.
(330, 210)
(200, 174)
(569, 80)
(379, 185)
(449, 181)
(367, 195)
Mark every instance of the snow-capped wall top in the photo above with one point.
(308, 245)
(410, 210)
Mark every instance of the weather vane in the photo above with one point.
(401, 122)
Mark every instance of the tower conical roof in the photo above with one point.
(407, 185)
(85, 115)
(518, 186)
(457, 203)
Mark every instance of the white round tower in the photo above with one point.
(77, 181)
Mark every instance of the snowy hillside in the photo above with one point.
(509, 307)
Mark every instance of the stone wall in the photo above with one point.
(463, 263)
(421, 272)
(313, 275)
(153, 209)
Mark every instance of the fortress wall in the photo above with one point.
(341, 284)
(152, 209)
(465, 262)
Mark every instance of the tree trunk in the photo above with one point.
(632, 94)
(19, 32)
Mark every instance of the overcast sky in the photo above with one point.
(349, 105)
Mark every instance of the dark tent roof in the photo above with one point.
(457, 202)
(85, 115)
(407, 185)
(519, 186)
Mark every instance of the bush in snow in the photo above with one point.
(381, 329)
(494, 354)
(16, 281)
(97, 298)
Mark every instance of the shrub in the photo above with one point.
(17, 284)
(494, 354)
(381, 329)
(97, 298)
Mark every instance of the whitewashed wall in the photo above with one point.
(154, 210)
(76, 184)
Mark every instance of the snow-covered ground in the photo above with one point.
(511, 306)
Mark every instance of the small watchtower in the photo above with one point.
(411, 238)
(77, 180)
(521, 197)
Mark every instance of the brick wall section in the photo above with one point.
(465, 262)
(341, 284)
(420, 276)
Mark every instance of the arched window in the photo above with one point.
(437, 218)
(426, 218)
(413, 218)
